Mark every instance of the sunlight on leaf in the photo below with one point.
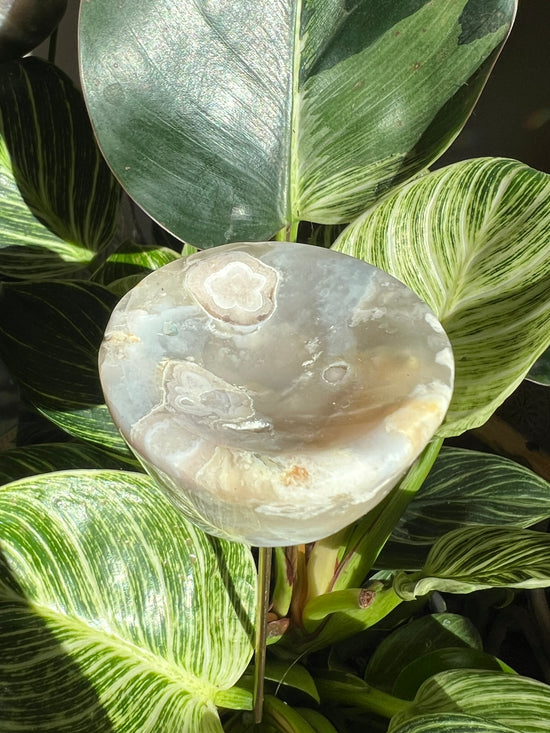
(115, 613)
(229, 122)
(465, 488)
(472, 241)
(520, 703)
(59, 199)
(473, 558)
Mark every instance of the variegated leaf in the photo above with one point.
(473, 558)
(58, 199)
(43, 457)
(450, 722)
(116, 615)
(50, 334)
(232, 121)
(93, 423)
(472, 241)
(520, 703)
(132, 259)
(465, 488)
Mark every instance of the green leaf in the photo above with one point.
(116, 615)
(473, 558)
(50, 334)
(286, 674)
(284, 718)
(59, 199)
(318, 722)
(417, 671)
(93, 424)
(231, 122)
(471, 240)
(347, 690)
(414, 640)
(520, 703)
(351, 611)
(31, 460)
(540, 371)
(133, 260)
(292, 675)
(450, 723)
(465, 488)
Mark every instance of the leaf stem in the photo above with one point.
(372, 532)
(288, 233)
(343, 614)
(356, 693)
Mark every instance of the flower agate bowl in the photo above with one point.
(276, 391)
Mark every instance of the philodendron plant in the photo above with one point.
(236, 122)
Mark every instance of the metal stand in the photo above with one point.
(264, 578)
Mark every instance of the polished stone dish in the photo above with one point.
(277, 391)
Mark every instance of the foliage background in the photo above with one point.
(512, 120)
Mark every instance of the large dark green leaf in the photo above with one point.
(116, 615)
(540, 371)
(231, 121)
(419, 670)
(465, 488)
(472, 241)
(520, 703)
(58, 199)
(414, 640)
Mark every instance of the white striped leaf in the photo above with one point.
(59, 200)
(450, 723)
(229, 121)
(521, 703)
(116, 615)
(93, 423)
(44, 457)
(472, 241)
(50, 334)
(465, 488)
(474, 558)
(133, 260)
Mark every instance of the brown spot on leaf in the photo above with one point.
(366, 598)
(277, 628)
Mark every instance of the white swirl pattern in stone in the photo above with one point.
(277, 391)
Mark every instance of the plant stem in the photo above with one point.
(356, 693)
(373, 531)
(329, 619)
(264, 578)
(289, 233)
